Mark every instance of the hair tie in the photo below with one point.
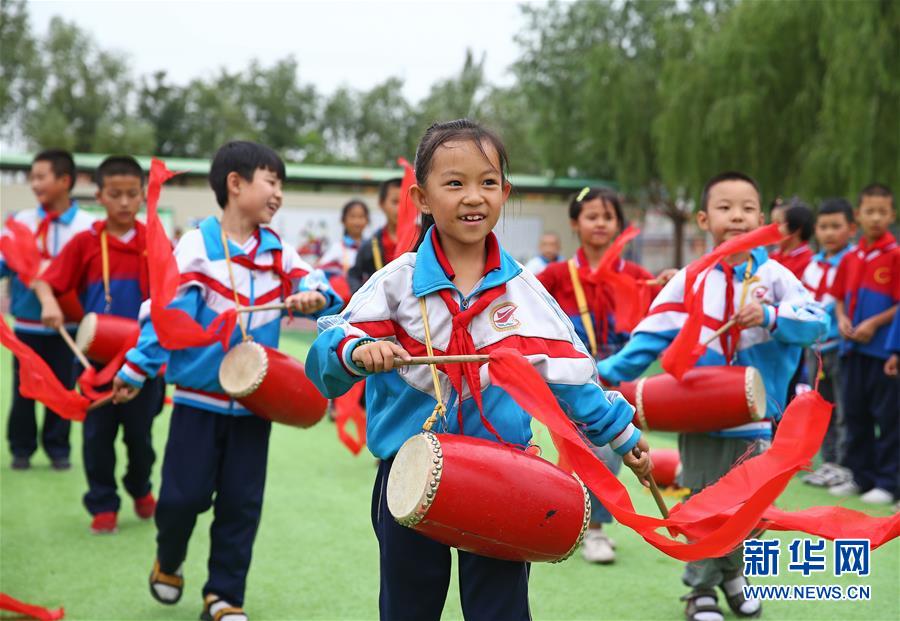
(583, 193)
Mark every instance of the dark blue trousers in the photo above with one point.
(22, 427)
(209, 455)
(100, 429)
(415, 573)
(871, 400)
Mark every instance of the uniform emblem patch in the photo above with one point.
(503, 316)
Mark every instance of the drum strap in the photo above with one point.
(583, 309)
(104, 262)
(237, 302)
(439, 409)
(377, 259)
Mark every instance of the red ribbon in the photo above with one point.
(35, 612)
(348, 410)
(719, 518)
(20, 251)
(43, 229)
(175, 329)
(37, 381)
(407, 214)
(632, 297)
(683, 353)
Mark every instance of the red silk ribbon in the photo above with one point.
(407, 214)
(632, 297)
(348, 410)
(30, 610)
(719, 518)
(20, 251)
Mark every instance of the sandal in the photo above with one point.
(736, 601)
(702, 605)
(217, 609)
(166, 588)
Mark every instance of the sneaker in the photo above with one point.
(104, 523)
(828, 475)
(845, 489)
(21, 463)
(145, 506)
(60, 464)
(877, 496)
(597, 547)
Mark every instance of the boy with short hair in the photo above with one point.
(107, 265)
(834, 230)
(55, 221)
(867, 289)
(217, 449)
(776, 317)
(379, 250)
(549, 248)
(794, 252)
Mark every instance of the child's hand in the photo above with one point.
(641, 466)
(890, 366)
(845, 327)
(123, 392)
(750, 315)
(378, 356)
(51, 314)
(306, 302)
(666, 275)
(864, 332)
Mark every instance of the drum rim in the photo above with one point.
(584, 524)
(432, 483)
(257, 382)
(750, 379)
(81, 338)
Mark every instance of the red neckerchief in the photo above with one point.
(729, 340)
(388, 246)
(822, 289)
(248, 261)
(600, 304)
(44, 228)
(866, 252)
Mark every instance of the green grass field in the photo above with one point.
(316, 556)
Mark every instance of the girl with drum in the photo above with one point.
(597, 219)
(459, 293)
(341, 256)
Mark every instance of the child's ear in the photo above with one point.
(418, 198)
(233, 183)
(97, 194)
(762, 218)
(703, 220)
(507, 188)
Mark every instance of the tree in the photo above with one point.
(20, 68)
(164, 107)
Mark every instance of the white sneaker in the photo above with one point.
(845, 489)
(597, 547)
(877, 496)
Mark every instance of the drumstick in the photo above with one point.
(725, 328)
(415, 360)
(99, 403)
(261, 307)
(78, 353)
(652, 282)
(654, 489)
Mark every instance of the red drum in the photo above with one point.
(70, 306)
(102, 337)
(666, 466)
(707, 399)
(487, 498)
(271, 385)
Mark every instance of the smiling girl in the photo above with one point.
(475, 298)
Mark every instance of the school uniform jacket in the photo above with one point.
(792, 321)
(204, 293)
(80, 266)
(339, 258)
(523, 317)
(796, 260)
(53, 235)
(818, 277)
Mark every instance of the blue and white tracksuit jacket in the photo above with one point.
(204, 293)
(793, 320)
(825, 267)
(24, 305)
(524, 318)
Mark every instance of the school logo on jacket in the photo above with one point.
(503, 317)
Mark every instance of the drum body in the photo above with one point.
(666, 466)
(487, 498)
(707, 399)
(102, 337)
(271, 385)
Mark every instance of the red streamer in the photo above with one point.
(175, 329)
(407, 214)
(683, 353)
(348, 410)
(632, 297)
(719, 518)
(20, 251)
(37, 381)
(35, 612)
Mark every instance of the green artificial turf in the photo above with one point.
(316, 556)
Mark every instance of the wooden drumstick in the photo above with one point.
(416, 360)
(261, 307)
(99, 403)
(654, 489)
(652, 282)
(725, 328)
(78, 353)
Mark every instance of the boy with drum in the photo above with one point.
(107, 265)
(774, 318)
(217, 449)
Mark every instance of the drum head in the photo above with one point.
(243, 369)
(411, 476)
(86, 331)
(756, 393)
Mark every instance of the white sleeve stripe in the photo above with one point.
(623, 437)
